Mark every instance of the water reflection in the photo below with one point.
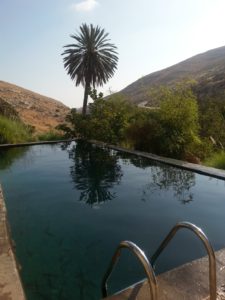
(180, 182)
(95, 172)
(137, 161)
(163, 178)
(8, 156)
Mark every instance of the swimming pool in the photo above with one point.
(69, 205)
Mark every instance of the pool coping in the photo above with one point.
(203, 170)
(10, 283)
(36, 143)
(200, 169)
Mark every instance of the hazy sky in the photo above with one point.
(150, 35)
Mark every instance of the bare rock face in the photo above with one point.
(36, 110)
(7, 110)
(207, 69)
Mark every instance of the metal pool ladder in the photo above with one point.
(149, 266)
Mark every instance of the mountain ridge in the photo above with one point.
(206, 68)
(44, 113)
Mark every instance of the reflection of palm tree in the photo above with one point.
(180, 181)
(95, 172)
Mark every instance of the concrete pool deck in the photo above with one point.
(10, 284)
(187, 282)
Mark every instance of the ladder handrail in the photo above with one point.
(145, 262)
(201, 235)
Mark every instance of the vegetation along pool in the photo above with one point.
(69, 205)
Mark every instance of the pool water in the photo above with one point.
(69, 205)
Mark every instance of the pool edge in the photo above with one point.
(200, 169)
(11, 286)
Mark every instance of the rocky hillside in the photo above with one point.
(208, 69)
(39, 111)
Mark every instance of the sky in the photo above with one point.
(150, 35)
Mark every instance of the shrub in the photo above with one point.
(13, 131)
(51, 135)
(144, 131)
(107, 119)
(178, 116)
(217, 160)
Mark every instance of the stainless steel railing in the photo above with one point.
(201, 235)
(148, 266)
(142, 257)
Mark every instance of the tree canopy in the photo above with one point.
(91, 60)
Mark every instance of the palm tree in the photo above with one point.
(91, 60)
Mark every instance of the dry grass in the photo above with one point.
(39, 111)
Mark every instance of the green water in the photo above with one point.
(70, 205)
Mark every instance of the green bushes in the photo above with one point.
(145, 131)
(13, 131)
(212, 121)
(216, 160)
(179, 120)
(51, 135)
(107, 120)
(171, 130)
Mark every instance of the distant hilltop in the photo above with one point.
(207, 69)
(39, 111)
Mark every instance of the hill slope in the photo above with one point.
(208, 69)
(39, 111)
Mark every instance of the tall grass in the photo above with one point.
(51, 135)
(217, 160)
(13, 131)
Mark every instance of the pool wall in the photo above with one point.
(10, 283)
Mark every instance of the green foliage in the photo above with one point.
(110, 118)
(179, 119)
(217, 160)
(145, 131)
(51, 135)
(91, 60)
(212, 121)
(107, 119)
(12, 131)
(171, 130)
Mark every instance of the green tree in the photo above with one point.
(179, 119)
(109, 118)
(91, 60)
(212, 121)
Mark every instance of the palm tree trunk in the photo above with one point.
(86, 90)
